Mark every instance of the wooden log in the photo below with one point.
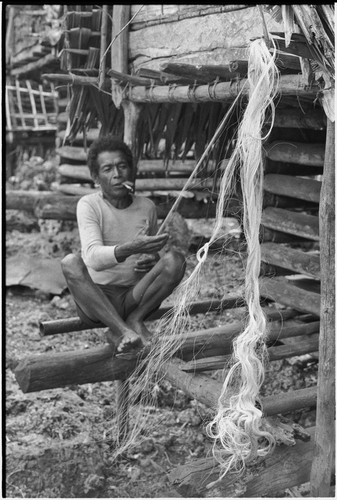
(90, 135)
(286, 467)
(303, 153)
(219, 362)
(119, 48)
(201, 307)
(303, 225)
(201, 73)
(149, 184)
(63, 207)
(325, 431)
(287, 168)
(207, 390)
(143, 165)
(287, 185)
(290, 258)
(295, 118)
(222, 91)
(267, 235)
(279, 290)
(60, 369)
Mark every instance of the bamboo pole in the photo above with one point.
(325, 432)
(289, 85)
(102, 57)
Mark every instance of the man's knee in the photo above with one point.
(174, 265)
(73, 266)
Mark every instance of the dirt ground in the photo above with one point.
(58, 442)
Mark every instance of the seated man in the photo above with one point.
(120, 279)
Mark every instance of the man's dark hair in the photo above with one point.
(107, 143)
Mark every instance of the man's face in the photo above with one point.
(113, 171)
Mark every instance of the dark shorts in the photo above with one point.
(117, 297)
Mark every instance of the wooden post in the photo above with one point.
(104, 33)
(119, 62)
(325, 433)
(119, 48)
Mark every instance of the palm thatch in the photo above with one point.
(176, 130)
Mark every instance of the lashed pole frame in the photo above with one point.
(119, 62)
(324, 449)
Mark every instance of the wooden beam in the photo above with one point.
(218, 362)
(325, 431)
(303, 225)
(207, 391)
(149, 184)
(53, 205)
(200, 73)
(281, 291)
(65, 368)
(286, 467)
(295, 118)
(302, 153)
(290, 258)
(287, 185)
(119, 47)
(201, 307)
(222, 91)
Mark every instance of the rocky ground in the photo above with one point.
(59, 442)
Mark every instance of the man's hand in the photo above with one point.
(141, 244)
(145, 263)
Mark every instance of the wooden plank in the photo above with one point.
(291, 258)
(287, 168)
(150, 184)
(204, 73)
(279, 290)
(303, 153)
(325, 431)
(287, 185)
(295, 118)
(274, 353)
(286, 467)
(299, 224)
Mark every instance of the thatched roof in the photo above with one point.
(299, 31)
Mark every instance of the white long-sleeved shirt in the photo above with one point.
(102, 227)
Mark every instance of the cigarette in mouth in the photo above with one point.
(127, 186)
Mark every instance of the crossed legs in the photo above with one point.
(148, 293)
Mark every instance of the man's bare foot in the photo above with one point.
(129, 341)
(139, 327)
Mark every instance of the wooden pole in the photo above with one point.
(325, 425)
(119, 48)
(222, 91)
(104, 34)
